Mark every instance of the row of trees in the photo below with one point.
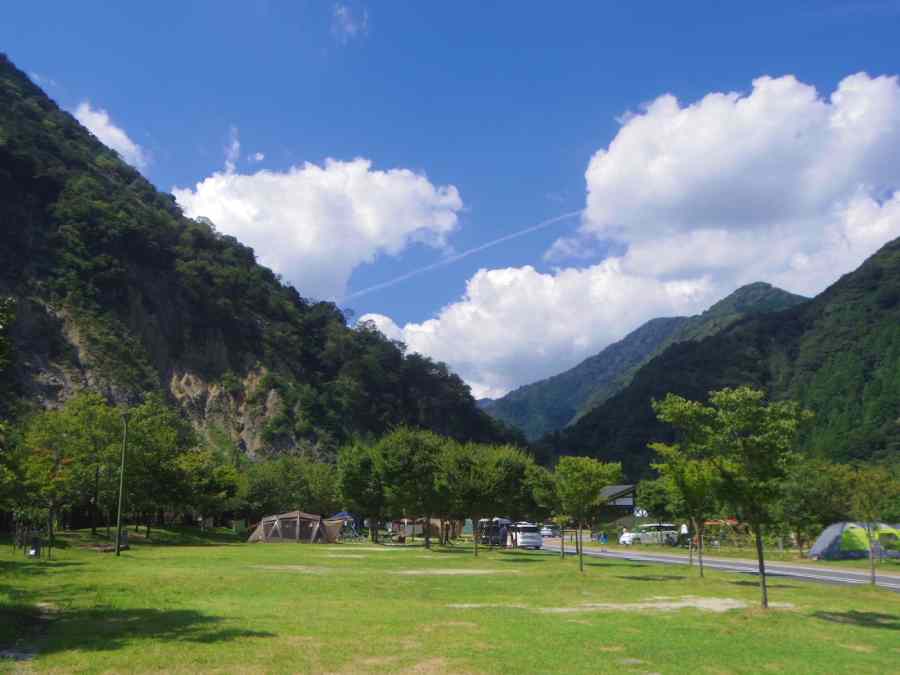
(66, 465)
(736, 457)
(417, 473)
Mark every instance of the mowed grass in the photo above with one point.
(355, 608)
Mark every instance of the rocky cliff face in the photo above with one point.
(116, 291)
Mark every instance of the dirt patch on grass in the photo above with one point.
(715, 605)
(862, 649)
(346, 556)
(450, 624)
(450, 572)
(299, 569)
(429, 666)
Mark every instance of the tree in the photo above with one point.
(750, 443)
(408, 461)
(70, 456)
(876, 492)
(654, 497)
(360, 485)
(816, 493)
(691, 485)
(468, 477)
(157, 437)
(579, 481)
(209, 484)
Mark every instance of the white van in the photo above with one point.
(527, 535)
(661, 533)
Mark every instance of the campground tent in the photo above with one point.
(849, 540)
(297, 527)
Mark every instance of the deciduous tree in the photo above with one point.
(579, 481)
(750, 442)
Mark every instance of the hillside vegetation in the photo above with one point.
(558, 401)
(838, 355)
(116, 291)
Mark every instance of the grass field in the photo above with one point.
(208, 605)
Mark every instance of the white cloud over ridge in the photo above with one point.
(98, 122)
(315, 223)
(779, 184)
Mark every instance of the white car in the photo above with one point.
(527, 535)
(661, 533)
(549, 531)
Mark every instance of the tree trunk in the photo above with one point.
(475, 534)
(427, 531)
(580, 547)
(562, 543)
(147, 534)
(95, 501)
(700, 549)
(373, 530)
(871, 533)
(50, 540)
(691, 542)
(757, 532)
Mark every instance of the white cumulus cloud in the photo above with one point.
(779, 184)
(315, 223)
(767, 184)
(98, 122)
(517, 325)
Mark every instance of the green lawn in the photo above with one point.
(212, 605)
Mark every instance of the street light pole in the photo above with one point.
(121, 481)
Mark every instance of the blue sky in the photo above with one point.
(495, 111)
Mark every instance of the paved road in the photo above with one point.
(828, 575)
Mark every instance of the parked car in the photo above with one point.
(658, 533)
(525, 535)
(549, 531)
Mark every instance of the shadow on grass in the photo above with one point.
(864, 619)
(111, 629)
(654, 577)
(593, 562)
(34, 567)
(452, 549)
(755, 584)
(518, 559)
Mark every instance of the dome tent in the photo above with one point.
(849, 540)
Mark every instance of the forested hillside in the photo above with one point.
(116, 291)
(838, 354)
(551, 404)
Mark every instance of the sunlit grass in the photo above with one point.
(356, 608)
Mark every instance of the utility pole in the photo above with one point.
(121, 480)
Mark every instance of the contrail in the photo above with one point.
(459, 256)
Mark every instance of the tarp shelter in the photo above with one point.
(298, 527)
(849, 540)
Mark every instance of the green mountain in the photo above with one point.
(558, 401)
(838, 354)
(117, 291)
